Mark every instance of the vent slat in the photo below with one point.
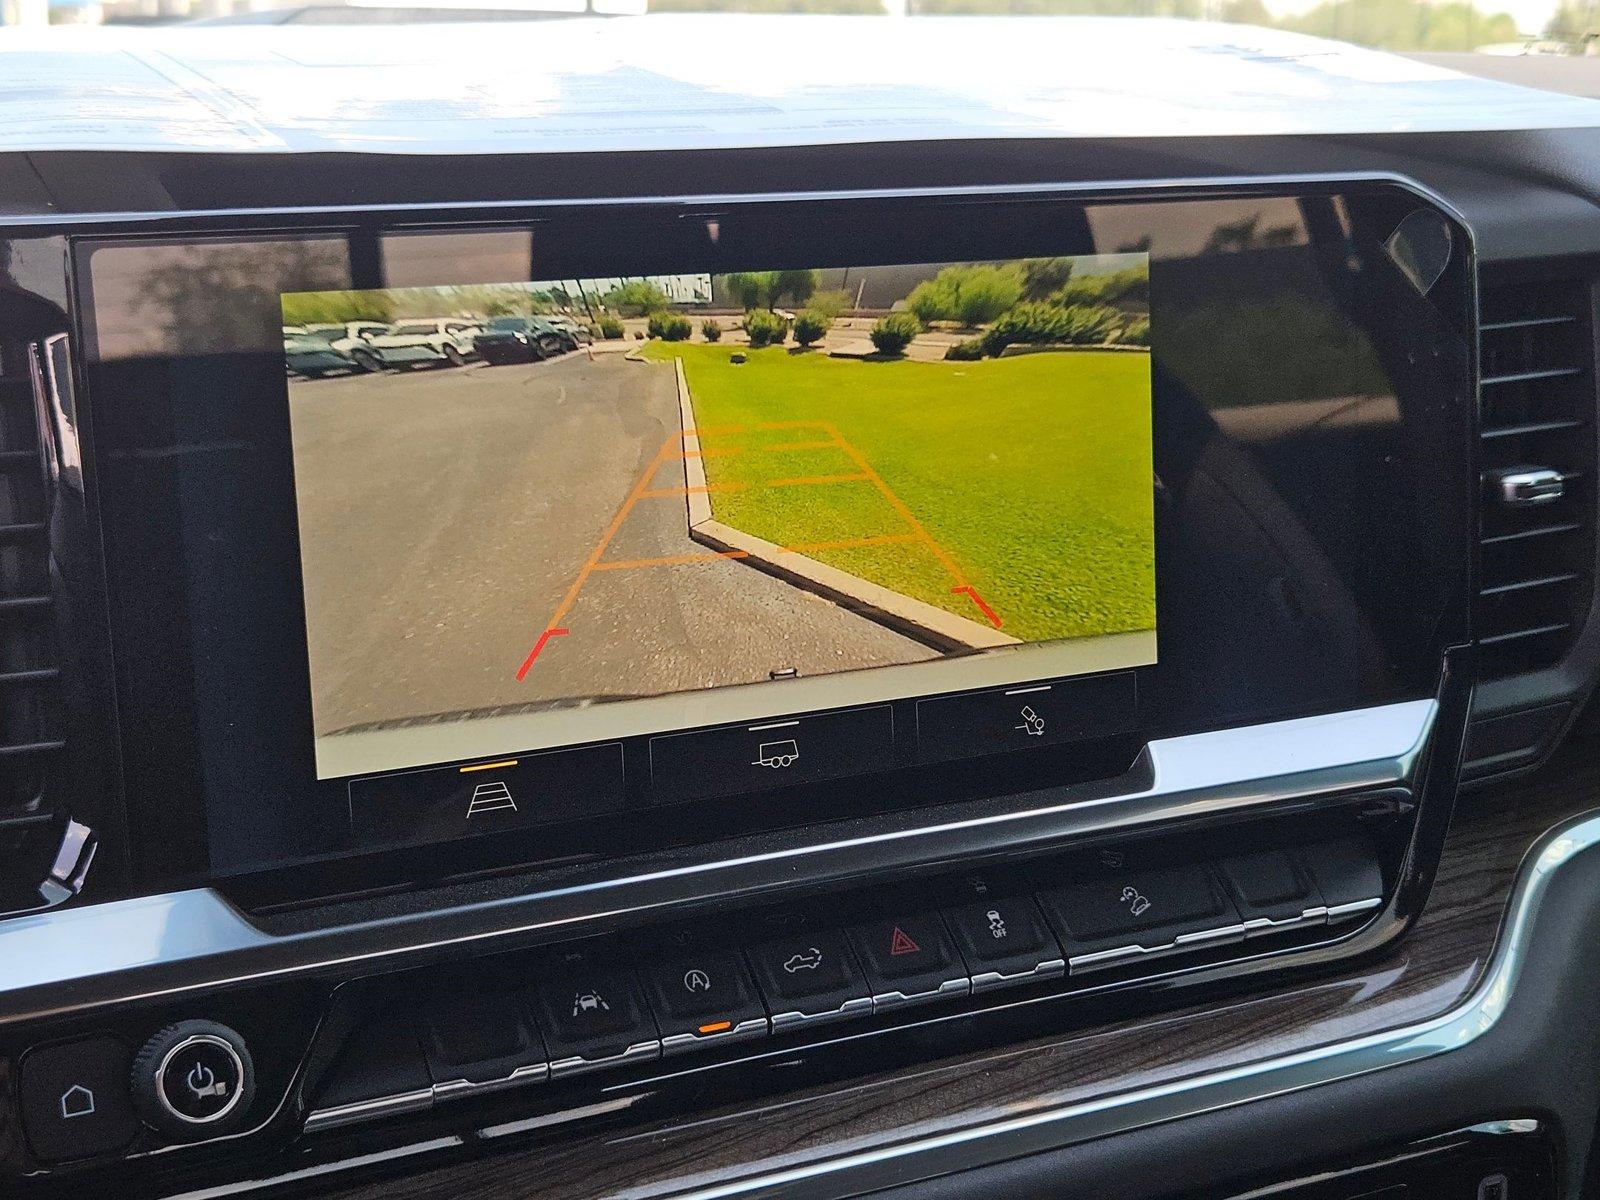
(1517, 635)
(1531, 376)
(1529, 427)
(1526, 323)
(16, 749)
(1536, 412)
(1520, 535)
(1505, 589)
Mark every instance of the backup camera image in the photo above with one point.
(530, 513)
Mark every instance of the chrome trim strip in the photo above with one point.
(883, 1001)
(450, 1089)
(1069, 1124)
(1051, 968)
(178, 942)
(1353, 907)
(855, 1006)
(433, 213)
(675, 1043)
(365, 1110)
(560, 1068)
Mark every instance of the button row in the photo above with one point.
(438, 804)
(593, 1013)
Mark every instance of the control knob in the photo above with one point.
(193, 1079)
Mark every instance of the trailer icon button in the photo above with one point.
(779, 752)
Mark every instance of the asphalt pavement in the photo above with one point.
(445, 513)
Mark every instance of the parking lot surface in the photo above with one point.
(445, 513)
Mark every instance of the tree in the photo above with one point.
(799, 286)
(636, 297)
(1245, 12)
(764, 289)
(748, 289)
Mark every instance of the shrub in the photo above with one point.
(1136, 333)
(893, 333)
(1033, 324)
(830, 304)
(669, 326)
(972, 295)
(809, 327)
(610, 327)
(968, 351)
(1131, 284)
(765, 328)
(711, 329)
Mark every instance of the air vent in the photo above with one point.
(1538, 456)
(30, 714)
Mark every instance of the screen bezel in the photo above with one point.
(745, 223)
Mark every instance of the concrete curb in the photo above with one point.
(916, 619)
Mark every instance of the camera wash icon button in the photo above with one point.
(1025, 716)
(771, 754)
(438, 804)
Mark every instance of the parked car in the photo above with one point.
(332, 349)
(440, 341)
(519, 339)
(575, 333)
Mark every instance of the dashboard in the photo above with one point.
(1047, 664)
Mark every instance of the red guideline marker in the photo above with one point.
(544, 637)
(994, 617)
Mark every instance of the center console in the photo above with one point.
(577, 651)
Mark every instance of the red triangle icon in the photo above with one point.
(900, 943)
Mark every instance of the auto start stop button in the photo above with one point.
(192, 1078)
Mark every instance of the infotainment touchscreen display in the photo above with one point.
(440, 543)
(547, 512)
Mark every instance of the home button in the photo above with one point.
(74, 1099)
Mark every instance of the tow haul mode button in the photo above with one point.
(771, 754)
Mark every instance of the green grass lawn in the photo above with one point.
(1033, 473)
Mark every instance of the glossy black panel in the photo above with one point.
(1306, 395)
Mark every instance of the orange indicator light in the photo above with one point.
(716, 1027)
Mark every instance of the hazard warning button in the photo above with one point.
(910, 959)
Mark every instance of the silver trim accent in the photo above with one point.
(1103, 1116)
(576, 1064)
(209, 1039)
(429, 214)
(179, 942)
(529, 1073)
(1051, 968)
(1099, 960)
(365, 1110)
(70, 870)
(1336, 911)
(855, 1006)
(1528, 487)
(1260, 926)
(884, 1001)
(676, 1043)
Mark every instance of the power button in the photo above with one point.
(193, 1079)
